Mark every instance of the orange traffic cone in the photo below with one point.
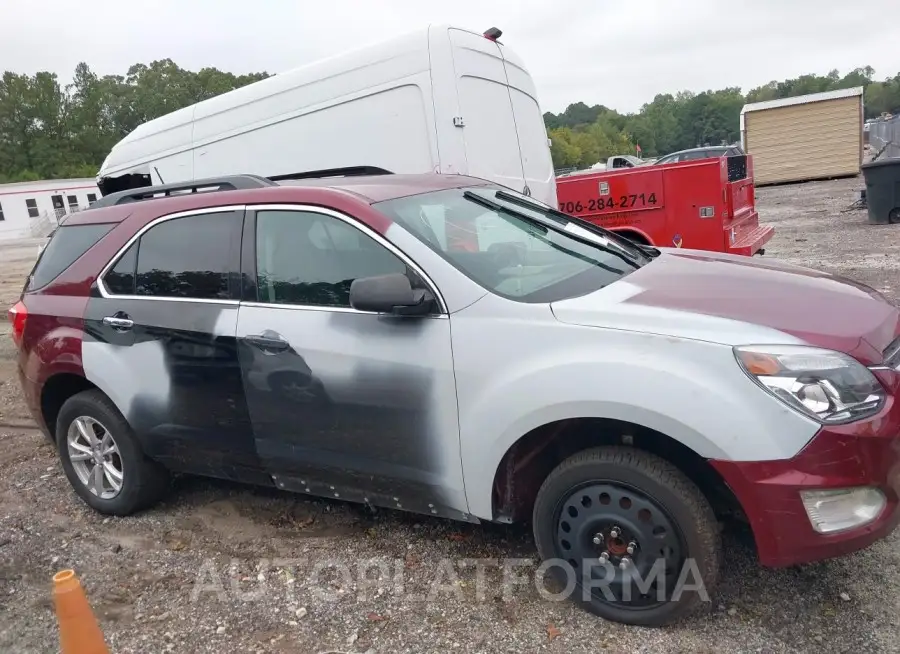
(79, 632)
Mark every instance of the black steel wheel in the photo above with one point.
(612, 531)
(631, 537)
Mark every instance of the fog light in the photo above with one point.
(845, 508)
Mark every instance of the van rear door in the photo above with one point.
(487, 121)
(534, 147)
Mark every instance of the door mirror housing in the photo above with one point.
(392, 294)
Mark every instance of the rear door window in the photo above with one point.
(189, 257)
(66, 246)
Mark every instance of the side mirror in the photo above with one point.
(390, 294)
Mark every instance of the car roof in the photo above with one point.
(363, 189)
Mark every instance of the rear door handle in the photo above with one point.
(268, 343)
(118, 322)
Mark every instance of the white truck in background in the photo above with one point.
(615, 162)
(440, 99)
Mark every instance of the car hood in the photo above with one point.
(733, 300)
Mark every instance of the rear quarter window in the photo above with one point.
(66, 246)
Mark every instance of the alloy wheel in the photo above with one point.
(95, 457)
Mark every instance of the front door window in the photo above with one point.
(310, 259)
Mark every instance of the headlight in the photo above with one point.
(826, 385)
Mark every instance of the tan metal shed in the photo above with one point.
(815, 136)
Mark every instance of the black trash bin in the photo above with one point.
(883, 190)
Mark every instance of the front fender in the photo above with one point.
(691, 391)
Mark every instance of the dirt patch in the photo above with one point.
(816, 226)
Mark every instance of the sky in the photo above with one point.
(618, 54)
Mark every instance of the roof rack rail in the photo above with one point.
(349, 171)
(225, 183)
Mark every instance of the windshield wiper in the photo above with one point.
(647, 251)
(550, 224)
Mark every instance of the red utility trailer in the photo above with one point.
(707, 204)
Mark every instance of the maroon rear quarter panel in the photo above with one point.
(51, 346)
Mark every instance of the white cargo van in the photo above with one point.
(441, 99)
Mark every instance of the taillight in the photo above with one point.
(17, 316)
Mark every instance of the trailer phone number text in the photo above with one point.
(603, 204)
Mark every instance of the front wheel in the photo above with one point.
(632, 539)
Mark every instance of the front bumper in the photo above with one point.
(866, 453)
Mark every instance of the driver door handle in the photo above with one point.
(118, 322)
(268, 343)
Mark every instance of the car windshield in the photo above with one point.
(514, 246)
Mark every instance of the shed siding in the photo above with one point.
(805, 141)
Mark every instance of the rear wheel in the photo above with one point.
(102, 459)
(632, 539)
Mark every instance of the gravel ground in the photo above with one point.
(226, 568)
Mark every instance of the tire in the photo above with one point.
(142, 483)
(651, 505)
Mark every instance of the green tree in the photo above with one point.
(564, 152)
(47, 131)
(686, 119)
(51, 131)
